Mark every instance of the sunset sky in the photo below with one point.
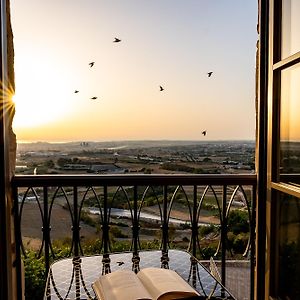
(172, 43)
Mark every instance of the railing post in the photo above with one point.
(18, 243)
(224, 235)
(105, 226)
(76, 268)
(194, 223)
(105, 236)
(165, 228)
(46, 229)
(135, 225)
(76, 221)
(135, 232)
(165, 225)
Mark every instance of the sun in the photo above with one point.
(33, 109)
(42, 95)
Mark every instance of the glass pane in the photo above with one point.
(290, 27)
(289, 247)
(290, 121)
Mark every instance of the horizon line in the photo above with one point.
(131, 141)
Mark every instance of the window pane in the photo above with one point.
(290, 27)
(290, 120)
(289, 247)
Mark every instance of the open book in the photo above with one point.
(147, 284)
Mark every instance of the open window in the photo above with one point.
(283, 194)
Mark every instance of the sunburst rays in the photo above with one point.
(7, 106)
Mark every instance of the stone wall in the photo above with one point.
(11, 149)
(11, 80)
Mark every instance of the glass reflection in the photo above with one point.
(290, 27)
(289, 247)
(290, 121)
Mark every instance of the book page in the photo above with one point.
(120, 285)
(164, 284)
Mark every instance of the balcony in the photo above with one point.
(190, 212)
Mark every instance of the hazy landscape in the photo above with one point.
(138, 157)
(154, 157)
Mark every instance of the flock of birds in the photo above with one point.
(116, 40)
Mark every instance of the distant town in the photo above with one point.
(143, 157)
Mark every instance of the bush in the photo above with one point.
(240, 243)
(49, 164)
(147, 171)
(238, 221)
(117, 232)
(35, 275)
(87, 219)
(177, 167)
(205, 230)
(237, 243)
(184, 226)
(121, 224)
(62, 161)
(208, 252)
(208, 206)
(92, 247)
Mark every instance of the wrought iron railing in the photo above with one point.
(195, 193)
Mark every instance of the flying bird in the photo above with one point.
(117, 40)
(209, 74)
(161, 88)
(120, 263)
(93, 98)
(76, 91)
(204, 132)
(91, 64)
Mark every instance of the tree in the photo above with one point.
(49, 163)
(62, 161)
(207, 159)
